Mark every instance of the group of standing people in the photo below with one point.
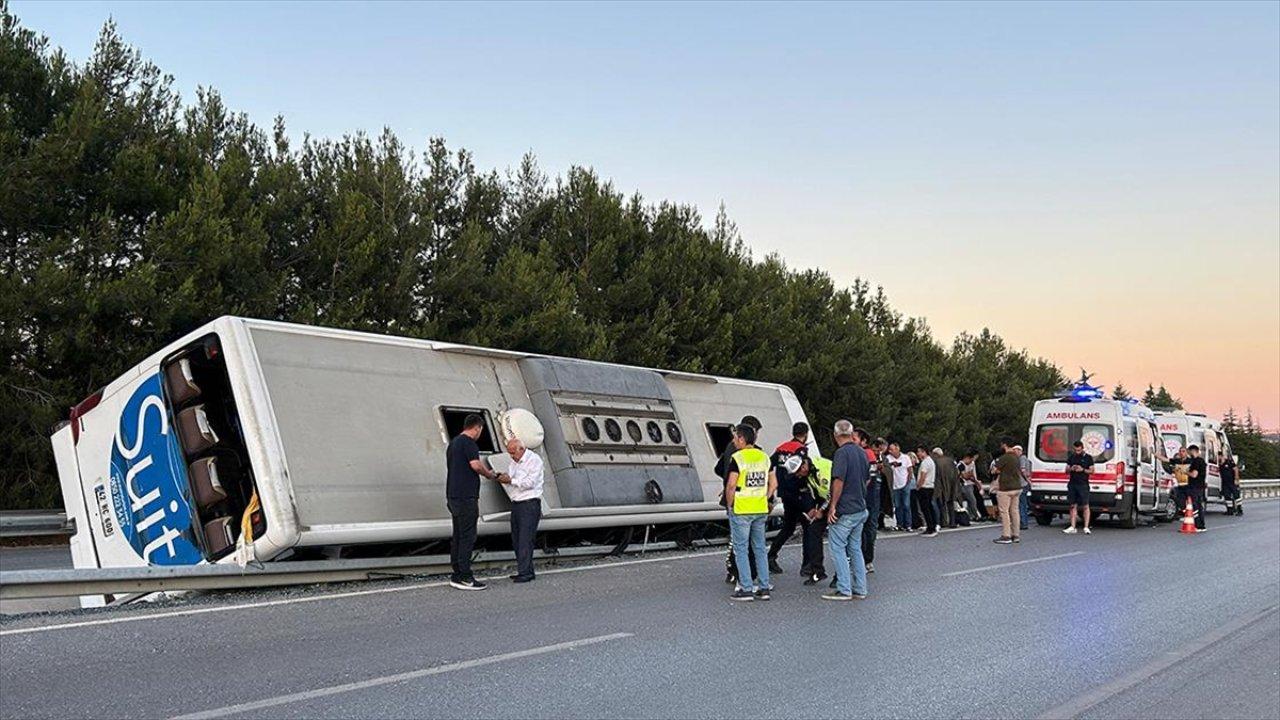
(835, 497)
(848, 498)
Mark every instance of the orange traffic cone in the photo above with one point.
(1188, 519)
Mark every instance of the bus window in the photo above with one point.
(721, 436)
(1051, 443)
(454, 417)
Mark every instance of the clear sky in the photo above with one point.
(1098, 183)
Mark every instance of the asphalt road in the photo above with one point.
(34, 557)
(1123, 623)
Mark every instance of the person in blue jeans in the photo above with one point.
(903, 484)
(749, 490)
(848, 512)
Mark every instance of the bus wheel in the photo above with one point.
(1044, 518)
(1130, 519)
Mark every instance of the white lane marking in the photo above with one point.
(1011, 564)
(326, 596)
(1163, 662)
(398, 677)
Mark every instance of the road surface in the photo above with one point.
(1122, 623)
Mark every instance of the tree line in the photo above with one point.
(129, 217)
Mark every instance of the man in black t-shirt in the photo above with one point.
(462, 495)
(1079, 466)
(1197, 484)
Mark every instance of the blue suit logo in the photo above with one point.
(149, 481)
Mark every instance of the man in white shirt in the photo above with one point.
(900, 463)
(524, 486)
(925, 477)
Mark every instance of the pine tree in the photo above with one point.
(1120, 393)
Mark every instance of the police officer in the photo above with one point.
(789, 490)
(814, 494)
(748, 493)
(1230, 489)
(722, 472)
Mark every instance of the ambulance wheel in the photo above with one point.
(1129, 520)
(1170, 511)
(1044, 518)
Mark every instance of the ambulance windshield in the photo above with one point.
(1054, 442)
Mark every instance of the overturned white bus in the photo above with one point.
(280, 437)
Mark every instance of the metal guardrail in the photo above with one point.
(27, 584)
(33, 523)
(1260, 488)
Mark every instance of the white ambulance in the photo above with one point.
(1128, 478)
(1179, 429)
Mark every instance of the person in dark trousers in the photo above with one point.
(881, 446)
(1230, 488)
(524, 486)
(1197, 484)
(872, 498)
(462, 496)
(926, 477)
(946, 492)
(789, 491)
(1180, 466)
(814, 491)
(722, 471)
(1079, 466)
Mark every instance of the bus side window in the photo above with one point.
(455, 417)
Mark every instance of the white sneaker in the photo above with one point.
(1087, 531)
(1072, 531)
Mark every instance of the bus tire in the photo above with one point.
(1044, 518)
(1129, 520)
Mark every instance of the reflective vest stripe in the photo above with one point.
(751, 496)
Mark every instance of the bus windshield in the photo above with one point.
(1054, 442)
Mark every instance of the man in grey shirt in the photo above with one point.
(849, 473)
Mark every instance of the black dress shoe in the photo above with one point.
(522, 578)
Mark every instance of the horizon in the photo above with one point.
(1124, 189)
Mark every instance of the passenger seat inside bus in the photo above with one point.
(195, 432)
(181, 382)
(217, 536)
(206, 483)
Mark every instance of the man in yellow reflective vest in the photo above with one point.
(748, 495)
